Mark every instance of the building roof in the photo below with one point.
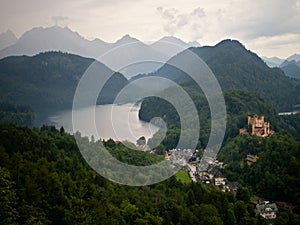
(251, 158)
(216, 173)
(266, 208)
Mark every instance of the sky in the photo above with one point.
(266, 27)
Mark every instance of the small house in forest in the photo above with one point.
(267, 210)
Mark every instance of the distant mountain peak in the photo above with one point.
(7, 38)
(194, 44)
(178, 41)
(170, 38)
(34, 29)
(295, 57)
(126, 39)
(230, 42)
(170, 45)
(9, 32)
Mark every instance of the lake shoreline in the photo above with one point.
(116, 121)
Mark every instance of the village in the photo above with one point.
(207, 169)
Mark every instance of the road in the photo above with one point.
(192, 171)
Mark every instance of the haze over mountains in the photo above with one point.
(276, 61)
(290, 65)
(47, 81)
(7, 39)
(127, 55)
(273, 61)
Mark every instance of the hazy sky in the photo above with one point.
(267, 27)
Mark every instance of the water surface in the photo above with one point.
(119, 122)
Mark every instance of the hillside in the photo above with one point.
(237, 68)
(44, 180)
(238, 104)
(274, 175)
(17, 114)
(291, 68)
(47, 81)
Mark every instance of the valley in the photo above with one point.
(59, 148)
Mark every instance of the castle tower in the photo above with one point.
(259, 126)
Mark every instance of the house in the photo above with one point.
(205, 177)
(220, 181)
(267, 210)
(231, 187)
(250, 159)
(218, 177)
(216, 163)
(211, 175)
(166, 155)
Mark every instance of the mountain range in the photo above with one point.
(291, 68)
(237, 68)
(47, 81)
(276, 61)
(128, 55)
(290, 65)
(273, 61)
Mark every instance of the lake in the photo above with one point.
(119, 122)
(288, 113)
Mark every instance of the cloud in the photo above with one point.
(198, 12)
(59, 20)
(98, 4)
(266, 18)
(278, 40)
(175, 21)
(252, 22)
(282, 45)
(169, 14)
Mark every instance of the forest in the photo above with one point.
(47, 81)
(237, 68)
(239, 104)
(275, 175)
(44, 180)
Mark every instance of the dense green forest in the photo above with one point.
(47, 82)
(237, 68)
(17, 114)
(275, 175)
(44, 180)
(239, 105)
